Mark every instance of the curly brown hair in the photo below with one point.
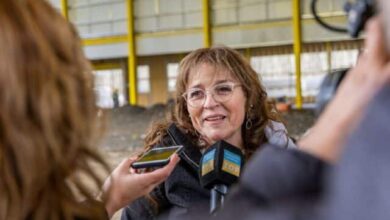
(257, 108)
(49, 122)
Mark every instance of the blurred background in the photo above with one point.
(136, 46)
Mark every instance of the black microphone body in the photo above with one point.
(220, 167)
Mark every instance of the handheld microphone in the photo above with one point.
(220, 167)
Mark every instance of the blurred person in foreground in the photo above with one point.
(49, 124)
(218, 97)
(340, 170)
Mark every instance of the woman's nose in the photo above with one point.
(209, 101)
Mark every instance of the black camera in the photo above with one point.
(358, 12)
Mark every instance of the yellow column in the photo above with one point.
(207, 38)
(64, 9)
(248, 54)
(329, 56)
(297, 50)
(132, 58)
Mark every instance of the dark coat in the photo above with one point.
(277, 184)
(180, 192)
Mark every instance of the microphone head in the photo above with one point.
(220, 164)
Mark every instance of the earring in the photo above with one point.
(248, 123)
(201, 143)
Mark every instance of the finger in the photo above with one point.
(132, 170)
(159, 175)
(172, 163)
(174, 160)
(375, 47)
(125, 164)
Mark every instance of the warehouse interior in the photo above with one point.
(135, 46)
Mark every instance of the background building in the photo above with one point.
(136, 45)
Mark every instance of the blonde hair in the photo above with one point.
(48, 119)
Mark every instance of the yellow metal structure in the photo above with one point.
(64, 9)
(132, 62)
(207, 38)
(278, 23)
(329, 55)
(106, 66)
(297, 51)
(169, 33)
(248, 54)
(105, 40)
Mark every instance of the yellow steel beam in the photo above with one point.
(106, 66)
(248, 53)
(296, 20)
(169, 33)
(105, 40)
(64, 9)
(277, 23)
(329, 56)
(207, 38)
(252, 26)
(131, 60)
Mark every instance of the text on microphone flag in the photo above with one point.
(208, 162)
(231, 163)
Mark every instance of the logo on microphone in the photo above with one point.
(231, 163)
(208, 162)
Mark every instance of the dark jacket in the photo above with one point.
(180, 192)
(278, 184)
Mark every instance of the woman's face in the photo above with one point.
(218, 117)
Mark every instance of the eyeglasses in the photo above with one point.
(221, 93)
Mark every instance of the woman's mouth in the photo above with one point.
(214, 118)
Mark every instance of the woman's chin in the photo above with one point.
(216, 138)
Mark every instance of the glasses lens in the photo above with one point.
(223, 92)
(220, 93)
(195, 97)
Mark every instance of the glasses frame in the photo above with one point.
(210, 91)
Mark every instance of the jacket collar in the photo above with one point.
(190, 153)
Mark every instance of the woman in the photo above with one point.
(49, 123)
(218, 97)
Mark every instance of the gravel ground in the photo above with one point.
(126, 128)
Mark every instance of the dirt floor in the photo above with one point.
(126, 128)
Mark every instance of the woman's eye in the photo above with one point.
(223, 89)
(196, 94)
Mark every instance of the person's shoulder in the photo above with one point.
(276, 134)
(276, 125)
